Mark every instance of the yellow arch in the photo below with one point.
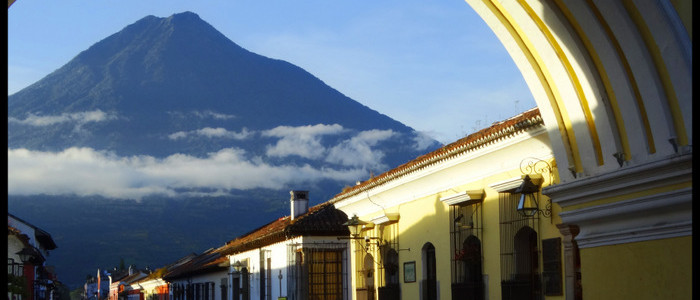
(564, 122)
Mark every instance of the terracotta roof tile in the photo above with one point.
(498, 130)
(321, 220)
(203, 263)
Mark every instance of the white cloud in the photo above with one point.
(205, 114)
(212, 114)
(303, 141)
(178, 135)
(358, 152)
(209, 132)
(422, 140)
(78, 118)
(84, 171)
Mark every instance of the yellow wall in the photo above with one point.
(658, 269)
(427, 220)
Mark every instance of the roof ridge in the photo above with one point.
(497, 130)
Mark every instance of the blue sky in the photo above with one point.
(432, 65)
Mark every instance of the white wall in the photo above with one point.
(214, 277)
(278, 252)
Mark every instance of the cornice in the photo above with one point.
(386, 219)
(658, 216)
(629, 180)
(463, 197)
(507, 185)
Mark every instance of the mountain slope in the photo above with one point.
(160, 66)
(166, 137)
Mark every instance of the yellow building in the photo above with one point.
(447, 225)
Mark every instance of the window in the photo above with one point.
(429, 282)
(520, 275)
(269, 278)
(245, 282)
(325, 274)
(389, 259)
(14, 268)
(224, 287)
(262, 275)
(465, 241)
(317, 271)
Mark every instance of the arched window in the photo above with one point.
(429, 282)
(369, 271)
(526, 263)
(389, 284)
(520, 274)
(368, 275)
(471, 259)
(391, 266)
(525, 244)
(467, 260)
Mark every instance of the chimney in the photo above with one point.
(299, 203)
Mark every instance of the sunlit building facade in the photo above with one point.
(451, 224)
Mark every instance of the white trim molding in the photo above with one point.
(630, 180)
(471, 195)
(386, 219)
(506, 185)
(652, 217)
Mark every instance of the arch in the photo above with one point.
(613, 83)
(525, 246)
(368, 267)
(472, 259)
(429, 271)
(391, 266)
(598, 106)
(526, 263)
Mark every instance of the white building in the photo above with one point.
(301, 256)
(27, 248)
(202, 277)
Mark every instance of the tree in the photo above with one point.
(62, 291)
(77, 294)
(17, 285)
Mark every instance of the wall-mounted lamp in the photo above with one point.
(528, 205)
(354, 224)
(27, 255)
(237, 266)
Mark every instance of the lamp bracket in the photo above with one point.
(533, 167)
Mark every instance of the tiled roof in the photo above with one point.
(527, 120)
(43, 237)
(129, 279)
(22, 237)
(321, 220)
(203, 263)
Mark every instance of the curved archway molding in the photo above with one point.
(613, 83)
